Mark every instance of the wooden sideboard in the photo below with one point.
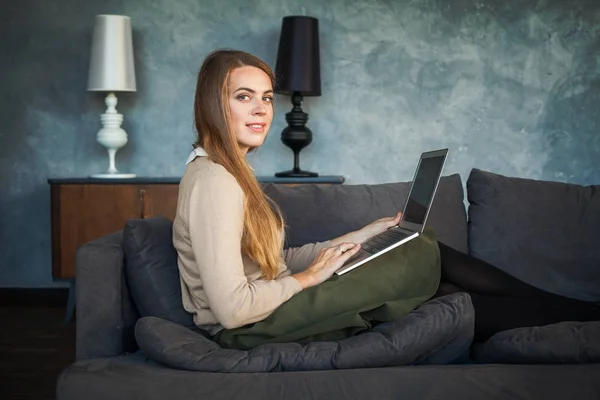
(85, 209)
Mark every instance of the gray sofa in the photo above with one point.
(511, 223)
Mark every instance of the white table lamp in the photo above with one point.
(112, 70)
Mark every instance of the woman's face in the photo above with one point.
(251, 106)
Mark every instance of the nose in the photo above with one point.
(259, 108)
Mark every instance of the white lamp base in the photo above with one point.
(113, 176)
(112, 137)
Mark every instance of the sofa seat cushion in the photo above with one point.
(151, 269)
(438, 332)
(318, 213)
(561, 343)
(134, 377)
(544, 233)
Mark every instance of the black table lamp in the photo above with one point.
(298, 73)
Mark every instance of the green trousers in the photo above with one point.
(381, 290)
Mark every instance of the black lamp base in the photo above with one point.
(296, 174)
(296, 136)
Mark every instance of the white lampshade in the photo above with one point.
(111, 61)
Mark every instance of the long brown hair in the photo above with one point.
(261, 239)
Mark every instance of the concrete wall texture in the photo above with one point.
(509, 86)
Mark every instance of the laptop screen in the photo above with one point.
(423, 189)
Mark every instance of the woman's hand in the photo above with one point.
(370, 230)
(327, 262)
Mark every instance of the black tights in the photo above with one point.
(502, 301)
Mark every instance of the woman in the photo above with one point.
(229, 236)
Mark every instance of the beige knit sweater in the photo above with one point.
(220, 285)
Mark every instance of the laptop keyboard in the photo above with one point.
(383, 240)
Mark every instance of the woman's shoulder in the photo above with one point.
(208, 174)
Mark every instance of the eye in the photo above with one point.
(243, 97)
(268, 99)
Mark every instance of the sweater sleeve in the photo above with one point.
(297, 259)
(215, 220)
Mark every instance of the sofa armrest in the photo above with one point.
(105, 313)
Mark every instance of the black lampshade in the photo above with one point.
(298, 66)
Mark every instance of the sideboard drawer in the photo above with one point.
(83, 212)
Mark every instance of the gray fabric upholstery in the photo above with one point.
(317, 213)
(561, 343)
(439, 331)
(134, 377)
(152, 271)
(544, 233)
(105, 314)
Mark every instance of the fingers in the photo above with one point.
(338, 250)
(349, 250)
(395, 220)
(343, 248)
(331, 259)
(349, 253)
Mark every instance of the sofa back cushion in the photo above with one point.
(317, 213)
(151, 269)
(544, 233)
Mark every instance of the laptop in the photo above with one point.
(414, 216)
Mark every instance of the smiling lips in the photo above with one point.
(257, 127)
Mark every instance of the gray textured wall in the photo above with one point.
(509, 86)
